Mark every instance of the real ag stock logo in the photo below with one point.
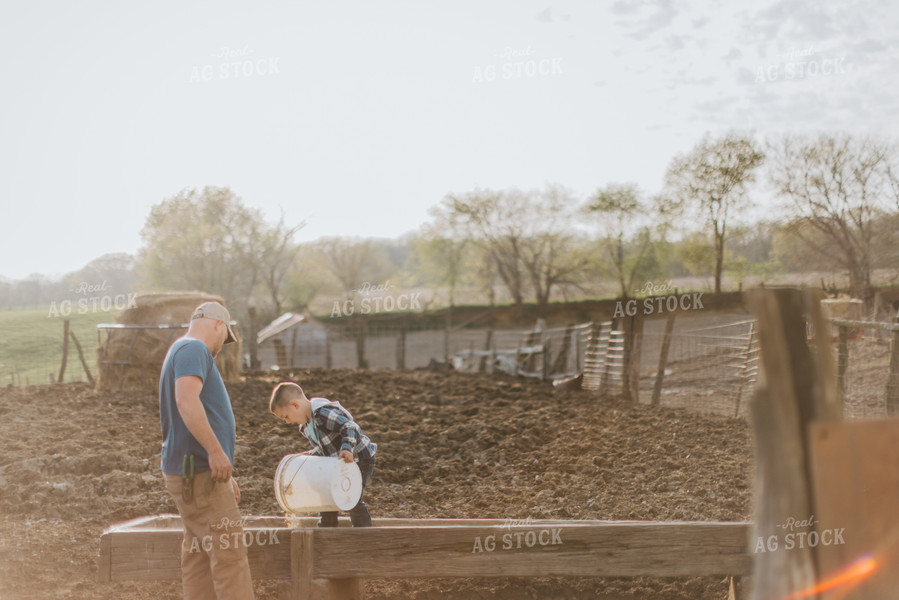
(658, 303)
(519, 63)
(800, 63)
(88, 304)
(551, 536)
(236, 63)
(797, 538)
(369, 303)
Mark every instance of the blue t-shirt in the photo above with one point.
(189, 356)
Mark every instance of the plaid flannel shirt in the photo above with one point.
(338, 431)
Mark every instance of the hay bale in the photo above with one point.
(132, 358)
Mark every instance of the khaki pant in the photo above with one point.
(214, 562)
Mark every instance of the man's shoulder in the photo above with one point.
(186, 345)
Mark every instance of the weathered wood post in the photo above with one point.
(87, 371)
(893, 380)
(293, 346)
(329, 357)
(781, 412)
(663, 360)
(633, 335)
(303, 583)
(488, 343)
(546, 370)
(797, 424)
(252, 345)
(842, 356)
(401, 346)
(65, 350)
(361, 333)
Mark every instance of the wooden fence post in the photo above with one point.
(300, 565)
(800, 387)
(633, 334)
(893, 380)
(547, 370)
(329, 358)
(293, 346)
(87, 371)
(492, 349)
(663, 360)
(65, 350)
(482, 363)
(401, 347)
(842, 356)
(361, 331)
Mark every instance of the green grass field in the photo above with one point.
(31, 344)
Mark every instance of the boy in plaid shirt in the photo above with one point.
(331, 430)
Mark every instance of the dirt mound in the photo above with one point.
(76, 460)
(131, 358)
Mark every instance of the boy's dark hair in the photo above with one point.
(283, 393)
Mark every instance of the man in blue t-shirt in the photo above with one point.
(198, 435)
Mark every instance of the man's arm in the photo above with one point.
(187, 398)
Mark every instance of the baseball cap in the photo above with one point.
(214, 310)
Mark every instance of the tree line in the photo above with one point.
(839, 193)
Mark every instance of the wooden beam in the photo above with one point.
(433, 548)
(625, 550)
(156, 554)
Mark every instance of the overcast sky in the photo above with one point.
(357, 116)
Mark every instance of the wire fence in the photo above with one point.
(705, 363)
(710, 369)
(42, 364)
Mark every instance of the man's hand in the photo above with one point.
(346, 455)
(236, 491)
(220, 466)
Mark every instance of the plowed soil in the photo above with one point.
(75, 461)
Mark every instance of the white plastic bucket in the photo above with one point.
(305, 484)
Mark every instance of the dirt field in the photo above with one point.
(75, 461)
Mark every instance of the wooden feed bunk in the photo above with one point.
(331, 563)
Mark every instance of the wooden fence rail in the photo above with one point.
(149, 548)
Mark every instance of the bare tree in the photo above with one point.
(840, 188)
(554, 254)
(712, 180)
(495, 221)
(443, 247)
(626, 238)
(354, 261)
(274, 257)
(528, 237)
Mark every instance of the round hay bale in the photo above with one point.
(132, 357)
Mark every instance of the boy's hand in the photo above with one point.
(346, 455)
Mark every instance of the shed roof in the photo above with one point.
(282, 323)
